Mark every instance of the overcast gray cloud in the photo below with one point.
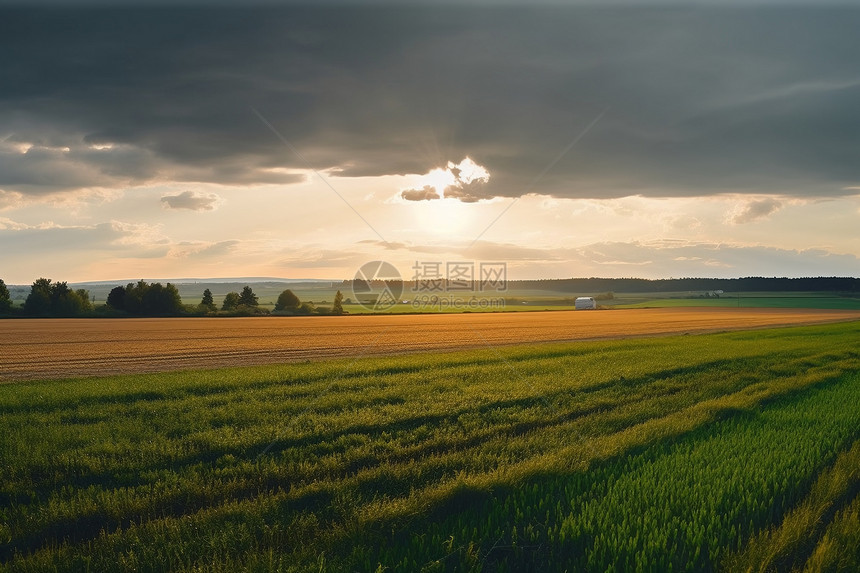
(700, 100)
(426, 193)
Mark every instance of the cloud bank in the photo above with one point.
(700, 101)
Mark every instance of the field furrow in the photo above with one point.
(64, 348)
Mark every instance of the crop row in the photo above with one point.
(802, 532)
(676, 507)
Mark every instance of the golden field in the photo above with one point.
(62, 348)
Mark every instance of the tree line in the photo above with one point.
(48, 298)
(56, 299)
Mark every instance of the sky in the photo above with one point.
(141, 140)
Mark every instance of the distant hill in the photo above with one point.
(225, 280)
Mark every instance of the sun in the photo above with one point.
(440, 179)
(442, 201)
(448, 218)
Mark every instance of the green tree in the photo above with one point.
(248, 298)
(5, 298)
(337, 307)
(116, 298)
(84, 296)
(169, 301)
(152, 299)
(64, 302)
(208, 302)
(231, 301)
(161, 299)
(67, 302)
(39, 300)
(134, 297)
(47, 298)
(287, 300)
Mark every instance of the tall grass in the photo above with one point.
(786, 547)
(839, 548)
(676, 506)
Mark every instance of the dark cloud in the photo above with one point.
(700, 100)
(192, 200)
(424, 194)
(468, 193)
(35, 168)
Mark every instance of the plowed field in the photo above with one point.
(61, 348)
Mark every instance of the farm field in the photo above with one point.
(514, 458)
(64, 348)
(743, 300)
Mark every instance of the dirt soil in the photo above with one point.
(34, 349)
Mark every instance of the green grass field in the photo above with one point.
(529, 300)
(734, 451)
(743, 300)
